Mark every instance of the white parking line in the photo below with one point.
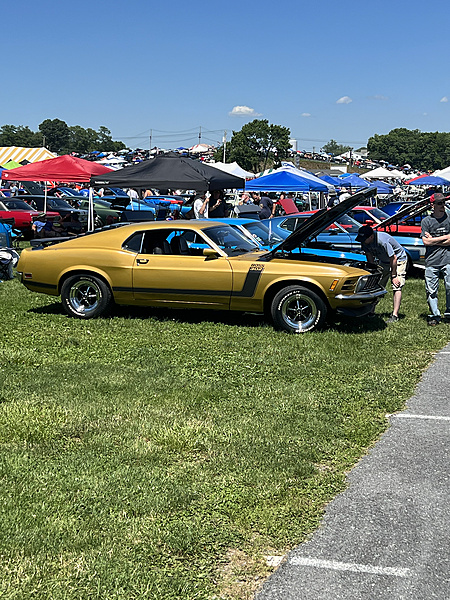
(355, 567)
(430, 417)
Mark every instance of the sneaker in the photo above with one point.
(392, 319)
(447, 316)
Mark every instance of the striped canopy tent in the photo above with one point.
(20, 154)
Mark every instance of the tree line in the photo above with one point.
(60, 138)
(427, 151)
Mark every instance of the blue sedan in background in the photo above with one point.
(342, 235)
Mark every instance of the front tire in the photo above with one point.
(297, 309)
(85, 296)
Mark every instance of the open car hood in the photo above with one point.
(407, 212)
(320, 221)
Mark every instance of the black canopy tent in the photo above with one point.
(171, 171)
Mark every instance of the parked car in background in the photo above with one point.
(104, 214)
(202, 264)
(342, 235)
(58, 205)
(22, 214)
(371, 215)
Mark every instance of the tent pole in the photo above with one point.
(91, 210)
(45, 198)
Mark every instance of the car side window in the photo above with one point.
(134, 243)
(180, 242)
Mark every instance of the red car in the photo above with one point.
(371, 215)
(22, 213)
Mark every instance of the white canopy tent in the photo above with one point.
(445, 173)
(379, 173)
(234, 169)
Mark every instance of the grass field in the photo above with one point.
(165, 455)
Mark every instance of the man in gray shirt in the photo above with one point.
(436, 239)
(392, 258)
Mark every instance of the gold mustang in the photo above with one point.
(202, 264)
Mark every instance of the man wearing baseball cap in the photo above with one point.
(392, 258)
(436, 239)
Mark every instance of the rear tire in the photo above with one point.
(85, 296)
(297, 309)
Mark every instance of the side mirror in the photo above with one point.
(210, 253)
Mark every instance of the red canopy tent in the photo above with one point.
(62, 168)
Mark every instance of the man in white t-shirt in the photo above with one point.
(201, 207)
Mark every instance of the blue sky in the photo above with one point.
(326, 70)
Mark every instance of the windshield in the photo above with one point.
(116, 191)
(17, 205)
(230, 240)
(347, 223)
(263, 234)
(59, 203)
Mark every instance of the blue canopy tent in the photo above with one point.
(335, 181)
(356, 182)
(284, 181)
(430, 180)
(382, 187)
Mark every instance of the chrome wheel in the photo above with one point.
(84, 297)
(299, 311)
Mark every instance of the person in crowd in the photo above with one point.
(217, 206)
(71, 224)
(201, 206)
(44, 227)
(132, 193)
(392, 258)
(436, 239)
(245, 199)
(256, 198)
(267, 208)
(344, 194)
(14, 190)
(147, 193)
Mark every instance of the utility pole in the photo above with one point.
(151, 132)
(43, 141)
(200, 135)
(224, 144)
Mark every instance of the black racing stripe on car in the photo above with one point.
(250, 283)
(47, 286)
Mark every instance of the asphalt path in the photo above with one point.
(388, 535)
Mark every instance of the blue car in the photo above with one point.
(267, 239)
(342, 235)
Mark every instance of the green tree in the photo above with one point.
(257, 145)
(422, 150)
(105, 143)
(332, 147)
(57, 134)
(10, 135)
(81, 140)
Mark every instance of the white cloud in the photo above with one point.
(344, 100)
(306, 114)
(243, 111)
(444, 99)
(380, 97)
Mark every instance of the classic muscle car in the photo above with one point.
(203, 264)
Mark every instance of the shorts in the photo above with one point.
(401, 274)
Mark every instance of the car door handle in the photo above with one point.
(142, 261)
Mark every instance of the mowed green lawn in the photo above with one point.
(162, 454)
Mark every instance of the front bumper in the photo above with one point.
(362, 296)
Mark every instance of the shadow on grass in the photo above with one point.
(231, 318)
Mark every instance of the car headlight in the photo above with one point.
(362, 282)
